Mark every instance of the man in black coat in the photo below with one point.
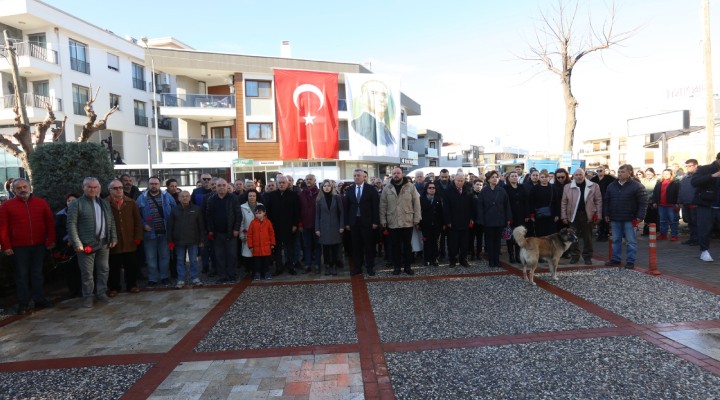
(603, 180)
(707, 200)
(283, 210)
(459, 213)
(362, 217)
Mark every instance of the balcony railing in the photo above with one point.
(198, 100)
(139, 84)
(79, 65)
(34, 51)
(31, 100)
(200, 145)
(141, 120)
(163, 123)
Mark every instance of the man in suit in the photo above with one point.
(362, 216)
(374, 119)
(459, 213)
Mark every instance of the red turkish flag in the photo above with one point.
(306, 103)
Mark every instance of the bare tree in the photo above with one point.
(25, 142)
(559, 44)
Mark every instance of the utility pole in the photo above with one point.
(16, 79)
(709, 95)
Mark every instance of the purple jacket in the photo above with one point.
(307, 206)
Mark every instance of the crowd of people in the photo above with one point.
(221, 228)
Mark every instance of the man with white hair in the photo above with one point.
(459, 213)
(419, 181)
(223, 226)
(283, 210)
(91, 229)
(32, 225)
(580, 207)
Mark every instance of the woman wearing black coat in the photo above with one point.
(431, 207)
(518, 205)
(540, 198)
(494, 214)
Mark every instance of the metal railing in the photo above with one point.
(200, 145)
(141, 120)
(198, 100)
(79, 65)
(34, 51)
(139, 84)
(163, 123)
(30, 100)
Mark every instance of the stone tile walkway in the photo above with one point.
(426, 336)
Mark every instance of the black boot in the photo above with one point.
(327, 270)
(511, 252)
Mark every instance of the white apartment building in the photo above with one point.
(211, 106)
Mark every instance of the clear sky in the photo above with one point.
(458, 59)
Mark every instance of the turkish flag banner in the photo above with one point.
(307, 112)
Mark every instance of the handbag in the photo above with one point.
(543, 212)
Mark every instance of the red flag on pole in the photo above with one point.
(306, 103)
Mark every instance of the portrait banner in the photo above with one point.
(307, 113)
(374, 114)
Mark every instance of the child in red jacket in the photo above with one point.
(261, 241)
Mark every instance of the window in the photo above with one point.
(81, 95)
(258, 89)
(221, 132)
(38, 40)
(452, 156)
(41, 88)
(113, 62)
(138, 76)
(261, 131)
(114, 100)
(79, 57)
(433, 144)
(141, 118)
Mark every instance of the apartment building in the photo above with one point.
(214, 112)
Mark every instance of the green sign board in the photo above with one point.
(242, 161)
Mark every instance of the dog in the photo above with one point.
(551, 247)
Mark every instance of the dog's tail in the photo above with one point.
(519, 235)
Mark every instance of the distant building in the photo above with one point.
(428, 145)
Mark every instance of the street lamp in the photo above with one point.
(155, 111)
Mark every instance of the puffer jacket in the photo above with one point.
(623, 203)
(571, 199)
(261, 237)
(81, 222)
(26, 224)
(400, 210)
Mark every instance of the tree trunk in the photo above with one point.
(570, 108)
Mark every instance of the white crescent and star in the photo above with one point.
(311, 89)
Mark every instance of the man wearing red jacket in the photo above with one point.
(27, 228)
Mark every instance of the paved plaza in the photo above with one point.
(444, 333)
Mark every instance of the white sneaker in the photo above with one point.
(197, 282)
(705, 256)
(179, 284)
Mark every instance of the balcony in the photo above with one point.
(80, 65)
(198, 107)
(31, 58)
(163, 123)
(431, 153)
(139, 84)
(188, 145)
(141, 120)
(34, 105)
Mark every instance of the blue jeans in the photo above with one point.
(311, 251)
(157, 258)
(627, 230)
(29, 265)
(668, 215)
(94, 270)
(192, 251)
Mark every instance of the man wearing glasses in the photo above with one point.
(91, 228)
(155, 207)
(129, 226)
(603, 180)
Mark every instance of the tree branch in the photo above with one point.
(10, 146)
(57, 132)
(42, 127)
(91, 127)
